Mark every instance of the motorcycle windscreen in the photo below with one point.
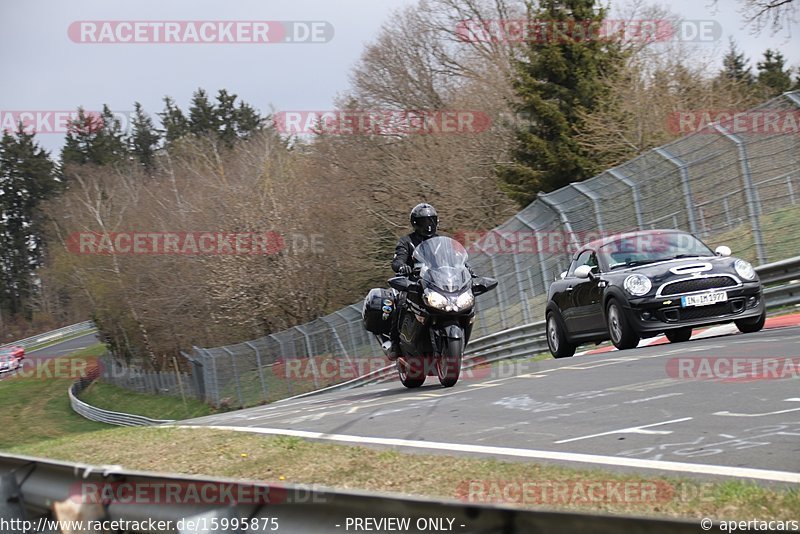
(443, 262)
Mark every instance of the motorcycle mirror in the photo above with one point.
(482, 285)
(401, 283)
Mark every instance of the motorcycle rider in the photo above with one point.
(424, 221)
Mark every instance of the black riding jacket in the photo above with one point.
(405, 249)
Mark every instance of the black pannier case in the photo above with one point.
(378, 310)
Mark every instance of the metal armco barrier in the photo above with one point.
(106, 416)
(30, 486)
(53, 335)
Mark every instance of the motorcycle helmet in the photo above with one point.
(424, 220)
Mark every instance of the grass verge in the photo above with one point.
(117, 399)
(35, 405)
(293, 460)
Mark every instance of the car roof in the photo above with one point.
(597, 243)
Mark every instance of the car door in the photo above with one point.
(571, 311)
(587, 297)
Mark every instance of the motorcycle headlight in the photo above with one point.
(744, 269)
(637, 284)
(465, 300)
(435, 300)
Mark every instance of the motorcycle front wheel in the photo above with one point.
(448, 364)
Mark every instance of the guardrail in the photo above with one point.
(53, 335)
(30, 487)
(106, 416)
(781, 281)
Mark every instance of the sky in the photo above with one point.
(45, 67)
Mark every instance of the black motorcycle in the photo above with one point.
(436, 307)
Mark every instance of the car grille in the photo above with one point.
(697, 284)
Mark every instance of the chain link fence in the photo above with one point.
(737, 189)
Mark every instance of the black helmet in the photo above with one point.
(424, 220)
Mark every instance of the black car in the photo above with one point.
(640, 284)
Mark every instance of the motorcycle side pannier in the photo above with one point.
(378, 310)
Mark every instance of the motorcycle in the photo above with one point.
(436, 306)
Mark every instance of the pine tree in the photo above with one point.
(557, 80)
(174, 122)
(96, 139)
(203, 118)
(772, 78)
(27, 176)
(144, 138)
(735, 66)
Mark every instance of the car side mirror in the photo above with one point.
(723, 251)
(584, 271)
(483, 285)
(562, 275)
(402, 283)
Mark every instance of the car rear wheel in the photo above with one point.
(557, 339)
(748, 326)
(622, 334)
(679, 334)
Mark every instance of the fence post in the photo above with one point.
(753, 207)
(283, 357)
(264, 393)
(542, 264)
(637, 205)
(687, 189)
(310, 353)
(235, 376)
(197, 376)
(562, 217)
(591, 195)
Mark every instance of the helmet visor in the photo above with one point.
(426, 225)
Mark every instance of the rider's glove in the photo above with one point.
(404, 270)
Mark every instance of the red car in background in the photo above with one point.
(11, 358)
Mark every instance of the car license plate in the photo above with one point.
(704, 300)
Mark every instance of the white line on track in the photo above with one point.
(631, 430)
(705, 469)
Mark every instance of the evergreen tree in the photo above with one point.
(772, 78)
(174, 122)
(27, 176)
(557, 80)
(226, 117)
(203, 118)
(96, 139)
(735, 66)
(144, 138)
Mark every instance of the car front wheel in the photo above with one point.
(622, 334)
(557, 339)
(679, 334)
(748, 326)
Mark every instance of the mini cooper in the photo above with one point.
(640, 284)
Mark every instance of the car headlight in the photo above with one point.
(637, 284)
(435, 300)
(744, 269)
(465, 300)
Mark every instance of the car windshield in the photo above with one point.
(443, 262)
(646, 248)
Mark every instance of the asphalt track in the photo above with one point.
(56, 350)
(723, 404)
